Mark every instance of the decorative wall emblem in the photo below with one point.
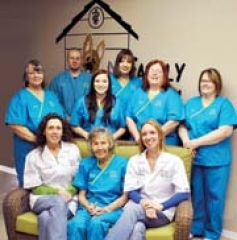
(96, 17)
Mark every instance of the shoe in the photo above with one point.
(190, 236)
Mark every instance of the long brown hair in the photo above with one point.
(91, 103)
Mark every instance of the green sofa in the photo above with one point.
(21, 223)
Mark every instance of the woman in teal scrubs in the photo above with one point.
(26, 110)
(156, 100)
(100, 181)
(98, 108)
(207, 129)
(124, 81)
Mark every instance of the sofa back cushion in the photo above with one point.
(129, 148)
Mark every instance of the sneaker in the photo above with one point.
(190, 236)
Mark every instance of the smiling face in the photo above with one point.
(207, 86)
(155, 75)
(149, 136)
(125, 65)
(53, 132)
(100, 147)
(101, 84)
(35, 76)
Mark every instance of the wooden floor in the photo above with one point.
(7, 183)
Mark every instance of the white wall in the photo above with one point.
(198, 33)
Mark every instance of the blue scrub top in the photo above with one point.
(80, 117)
(103, 186)
(27, 110)
(125, 93)
(202, 120)
(69, 89)
(167, 105)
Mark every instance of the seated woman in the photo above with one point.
(49, 171)
(156, 182)
(100, 181)
(98, 108)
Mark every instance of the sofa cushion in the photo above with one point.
(164, 233)
(128, 149)
(27, 223)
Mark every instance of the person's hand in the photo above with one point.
(65, 194)
(91, 208)
(146, 203)
(151, 213)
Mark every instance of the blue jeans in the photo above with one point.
(133, 223)
(52, 217)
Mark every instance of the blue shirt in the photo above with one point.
(69, 88)
(202, 120)
(27, 110)
(167, 105)
(80, 117)
(125, 93)
(103, 186)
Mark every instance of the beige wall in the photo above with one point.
(197, 33)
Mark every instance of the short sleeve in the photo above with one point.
(228, 114)
(81, 180)
(31, 174)
(77, 113)
(180, 180)
(17, 111)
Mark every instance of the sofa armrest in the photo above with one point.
(183, 220)
(15, 203)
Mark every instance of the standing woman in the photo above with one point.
(157, 100)
(124, 81)
(155, 182)
(100, 181)
(207, 129)
(49, 172)
(98, 108)
(25, 111)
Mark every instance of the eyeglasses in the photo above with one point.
(35, 72)
(206, 81)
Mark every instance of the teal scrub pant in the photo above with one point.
(83, 226)
(208, 187)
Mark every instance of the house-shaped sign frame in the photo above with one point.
(93, 12)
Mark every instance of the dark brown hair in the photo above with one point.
(40, 136)
(124, 53)
(91, 103)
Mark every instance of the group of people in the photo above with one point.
(105, 190)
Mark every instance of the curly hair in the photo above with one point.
(40, 136)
